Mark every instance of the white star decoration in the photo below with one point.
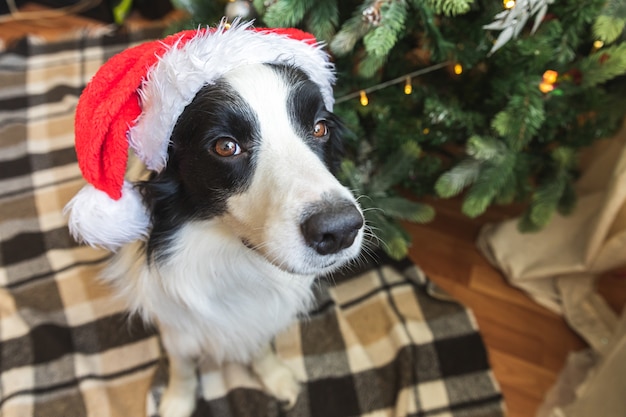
(511, 21)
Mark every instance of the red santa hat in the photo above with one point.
(135, 99)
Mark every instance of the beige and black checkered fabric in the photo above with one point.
(375, 345)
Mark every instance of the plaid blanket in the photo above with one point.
(376, 344)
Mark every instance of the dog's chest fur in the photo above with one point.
(217, 299)
(226, 266)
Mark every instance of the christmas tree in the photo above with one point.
(494, 100)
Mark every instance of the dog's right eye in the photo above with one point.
(226, 147)
(320, 130)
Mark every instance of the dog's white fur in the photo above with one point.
(231, 283)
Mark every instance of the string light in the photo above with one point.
(548, 81)
(364, 100)
(508, 4)
(550, 76)
(458, 69)
(408, 87)
(597, 45)
(546, 88)
(394, 81)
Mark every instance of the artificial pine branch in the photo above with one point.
(323, 20)
(492, 178)
(611, 21)
(383, 208)
(509, 190)
(450, 7)
(546, 200)
(394, 169)
(449, 114)
(403, 209)
(576, 21)
(603, 65)
(383, 38)
(441, 48)
(370, 64)
(287, 13)
(462, 175)
(390, 235)
(522, 118)
(260, 6)
(608, 28)
(485, 148)
(352, 31)
(567, 202)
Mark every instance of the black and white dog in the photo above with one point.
(245, 215)
(231, 210)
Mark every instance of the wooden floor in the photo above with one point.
(33, 22)
(527, 343)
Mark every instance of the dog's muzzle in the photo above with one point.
(331, 227)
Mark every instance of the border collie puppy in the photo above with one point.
(244, 216)
(230, 209)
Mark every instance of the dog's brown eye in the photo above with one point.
(227, 147)
(320, 129)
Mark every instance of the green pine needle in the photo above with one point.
(287, 13)
(352, 31)
(564, 157)
(370, 65)
(259, 6)
(474, 204)
(501, 123)
(485, 148)
(493, 177)
(402, 209)
(603, 65)
(567, 202)
(452, 182)
(350, 176)
(323, 19)
(609, 25)
(450, 7)
(545, 200)
(392, 237)
(383, 38)
(522, 118)
(526, 225)
(395, 168)
(507, 193)
(608, 28)
(397, 248)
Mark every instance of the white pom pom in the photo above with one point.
(99, 221)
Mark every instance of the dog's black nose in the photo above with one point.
(333, 228)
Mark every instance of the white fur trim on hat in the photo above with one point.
(183, 70)
(98, 220)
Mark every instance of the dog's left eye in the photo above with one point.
(227, 147)
(320, 130)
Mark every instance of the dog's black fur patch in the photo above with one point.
(306, 107)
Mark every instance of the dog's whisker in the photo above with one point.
(366, 209)
(362, 197)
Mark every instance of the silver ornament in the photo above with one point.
(238, 8)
